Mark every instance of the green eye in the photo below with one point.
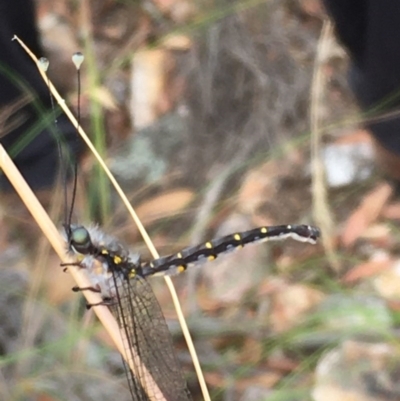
(80, 240)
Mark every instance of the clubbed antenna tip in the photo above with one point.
(77, 59)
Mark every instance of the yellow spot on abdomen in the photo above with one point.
(117, 259)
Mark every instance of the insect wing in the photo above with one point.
(147, 339)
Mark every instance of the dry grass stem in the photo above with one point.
(322, 213)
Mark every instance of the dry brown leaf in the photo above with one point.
(147, 85)
(377, 232)
(252, 351)
(387, 283)
(45, 397)
(264, 379)
(164, 205)
(355, 137)
(367, 269)
(258, 184)
(179, 10)
(290, 303)
(214, 379)
(379, 236)
(312, 7)
(366, 213)
(282, 363)
(392, 211)
(177, 42)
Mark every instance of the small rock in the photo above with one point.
(346, 163)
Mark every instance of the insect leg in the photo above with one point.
(93, 289)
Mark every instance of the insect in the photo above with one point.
(120, 277)
(92, 245)
(147, 340)
(151, 367)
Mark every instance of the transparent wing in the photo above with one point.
(155, 373)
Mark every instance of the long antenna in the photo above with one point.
(77, 59)
(43, 64)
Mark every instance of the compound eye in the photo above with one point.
(80, 240)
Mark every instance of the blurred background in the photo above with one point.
(216, 116)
